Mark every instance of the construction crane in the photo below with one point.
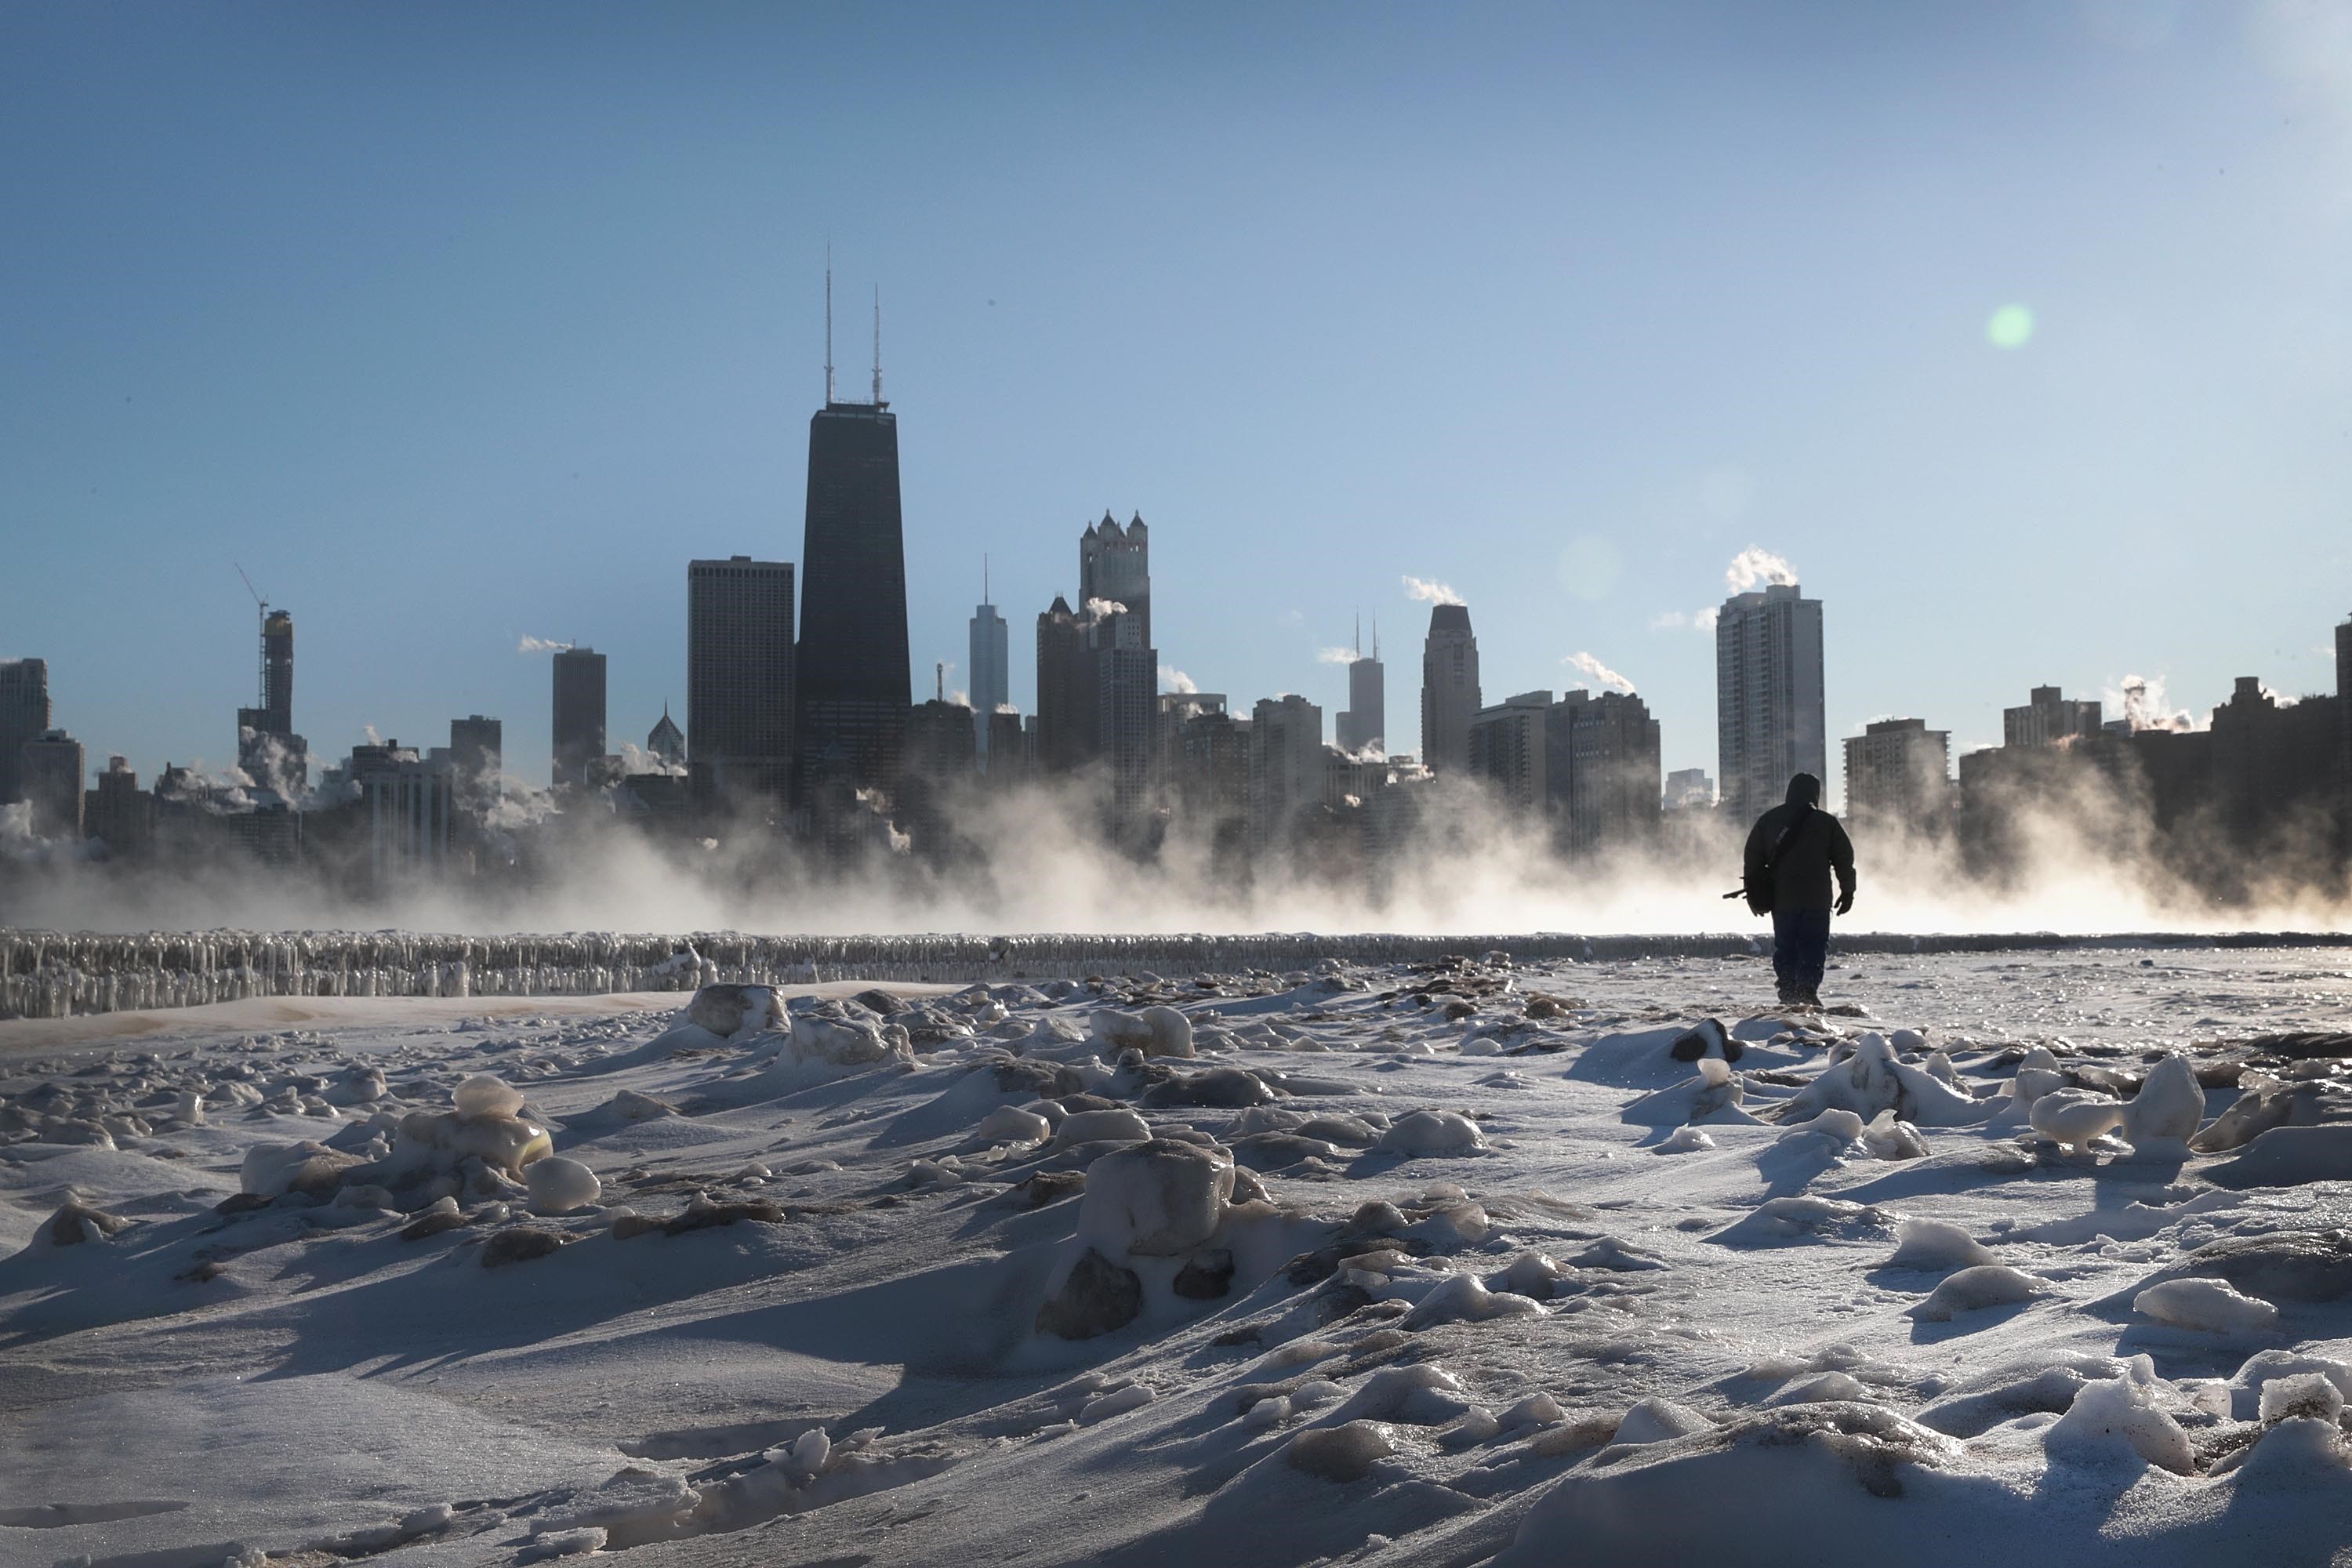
(262, 684)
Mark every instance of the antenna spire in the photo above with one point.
(828, 322)
(983, 577)
(1359, 634)
(878, 345)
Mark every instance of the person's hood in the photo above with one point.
(1804, 790)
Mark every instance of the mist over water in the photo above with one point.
(1036, 860)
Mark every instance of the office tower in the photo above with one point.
(1068, 722)
(24, 716)
(1115, 567)
(992, 685)
(2273, 765)
(1607, 748)
(1008, 749)
(853, 688)
(1449, 689)
(1126, 691)
(939, 746)
(1285, 767)
(740, 671)
(1508, 749)
(2047, 719)
(2344, 706)
(477, 755)
(267, 749)
(665, 742)
(1689, 789)
(121, 815)
(409, 804)
(1768, 707)
(1898, 774)
(50, 767)
(579, 728)
(1364, 726)
(1209, 770)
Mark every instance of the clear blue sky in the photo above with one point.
(461, 324)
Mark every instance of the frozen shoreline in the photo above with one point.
(54, 975)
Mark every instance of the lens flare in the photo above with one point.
(2010, 327)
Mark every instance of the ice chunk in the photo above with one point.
(1341, 1453)
(2312, 1393)
(1465, 1298)
(1973, 1289)
(2074, 1117)
(1120, 1125)
(487, 1094)
(1871, 1080)
(1154, 1199)
(1656, 1420)
(272, 1170)
(2209, 1305)
(2265, 1367)
(731, 1010)
(1156, 1031)
(559, 1184)
(1431, 1132)
(2116, 1420)
(1932, 1244)
(1838, 1128)
(2169, 1106)
(1888, 1139)
(1010, 1124)
(1685, 1140)
(438, 1140)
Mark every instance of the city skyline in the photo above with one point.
(403, 360)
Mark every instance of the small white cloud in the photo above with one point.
(1335, 656)
(1430, 593)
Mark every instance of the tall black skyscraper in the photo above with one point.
(739, 675)
(855, 690)
(579, 727)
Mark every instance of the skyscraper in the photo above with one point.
(579, 728)
(1364, 726)
(1285, 767)
(1768, 706)
(267, 746)
(2047, 719)
(1449, 689)
(1509, 750)
(1126, 691)
(740, 669)
(1069, 725)
(1605, 780)
(991, 683)
(52, 771)
(24, 716)
(853, 680)
(1115, 567)
(1898, 772)
(477, 752)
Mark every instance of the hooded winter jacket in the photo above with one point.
(1800, 878)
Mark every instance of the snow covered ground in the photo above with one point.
(1445, 1264)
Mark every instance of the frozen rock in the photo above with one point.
(2207, 1305)
(1974, 1289)
(76, 1222)
(628, 1105)
(2114, 1421)
(1656, 1420)
(1431, 1132)
(728, 1010)
(559, 1184)
(1098, 1297)
(1684, 1140)
(1155, 1199)
(2265, 1367)
(2288, 1156)
(2311, 1393)
(1010, 1124)
(2169, 1106)
(1932, 1244)
(273, 1170)
(519, 1244)
(1344, 1453)
(1155, 1031)
(487, 1094)
(439, 1140)
(1118, 1125)
(2075, 1116)
(1871, 1080)
(1837, 1127)
(1462, 1298)
(847, 1042)
(1707, 1038)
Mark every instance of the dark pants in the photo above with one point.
(1800, 946)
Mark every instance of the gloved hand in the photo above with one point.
(1845, 902)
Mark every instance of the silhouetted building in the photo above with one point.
(24, 716)
(1363, 727)
(2047, 719)
(1603, 771)
(1127, 689)
(853, 675)
(1068, 721)
(1285, 767)
(740, 673)
(1449, 689)
(1689, 789)
(267, 749)
(1768, 704)
(50, 767)
(477, 754)
(1010, 763)
(2277, 769)
(579, 728)
(665, 742)
(1508, 751)
(119, 814)
(1208, 760)
(939, 741)
(992, 685)
(1898, 774)
(1114, 567)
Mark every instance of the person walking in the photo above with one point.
(1792, 852)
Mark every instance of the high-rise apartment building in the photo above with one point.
(579, 727)
(1364, 726)
(477, 755)
(267, 749)
(1508, 749)
(992, 684)
(121, 815)
(1068, 717)
(1769, 717)
(50, 765)
(740, 669)
(1127, 689)
(1604, 771)
(1114, 567)
(1898, 772)
(1285, 767)
(1449, 689)
(853, 680)
(2047, 719)
(1689, 789)
(24, 716)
